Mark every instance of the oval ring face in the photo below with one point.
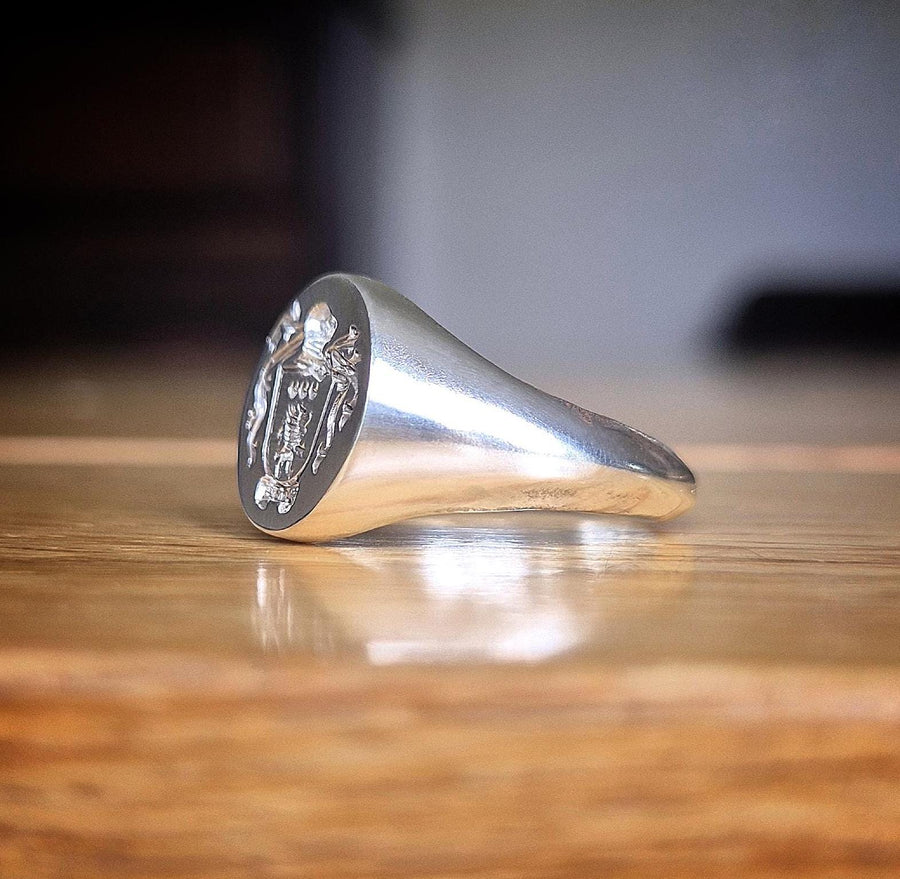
(305, 403)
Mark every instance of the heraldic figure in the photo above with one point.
(305, 393)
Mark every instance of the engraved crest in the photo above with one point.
(304, 394)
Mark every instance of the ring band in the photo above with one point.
(363, 411)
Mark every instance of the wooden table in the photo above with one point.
(498, 696)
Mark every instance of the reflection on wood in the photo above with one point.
(499, 589)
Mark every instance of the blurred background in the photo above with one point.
(562, 185)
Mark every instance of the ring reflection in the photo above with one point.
(486, 588)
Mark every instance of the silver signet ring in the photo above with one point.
(363, 411)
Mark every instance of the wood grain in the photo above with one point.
(492, 696)
(43, 451)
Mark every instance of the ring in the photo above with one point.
(363, 411)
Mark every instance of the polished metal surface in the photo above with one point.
(363, 411)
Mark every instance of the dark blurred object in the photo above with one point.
(161, 178)
(853, 318)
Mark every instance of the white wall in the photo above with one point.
(564, 184)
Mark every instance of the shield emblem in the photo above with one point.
(305, 392)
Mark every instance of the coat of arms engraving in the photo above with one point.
(305, 393)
